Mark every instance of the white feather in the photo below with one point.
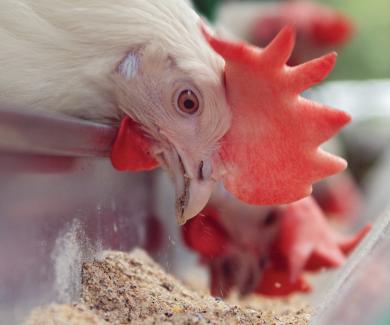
(100, 59)
(59, 54)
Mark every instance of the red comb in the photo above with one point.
(271, 149)
(334, 31)
(307, 242)
(130, 151)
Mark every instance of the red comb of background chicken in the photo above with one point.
(315, 23)
(272, 148)
(332, 31)
(318, 27)
(307, 242)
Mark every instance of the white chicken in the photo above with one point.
(99, 61)
(186, 99)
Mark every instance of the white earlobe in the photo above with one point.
(129, 66)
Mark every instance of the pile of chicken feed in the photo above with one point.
(123, 288)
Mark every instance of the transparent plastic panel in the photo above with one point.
(61, 203)
(359, 292)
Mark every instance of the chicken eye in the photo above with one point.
(188, 102)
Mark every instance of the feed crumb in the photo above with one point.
(124, 288)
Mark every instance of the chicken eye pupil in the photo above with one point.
(188, 103)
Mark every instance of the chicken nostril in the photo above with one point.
(205, 170)
(200, 171)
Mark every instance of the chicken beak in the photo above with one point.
(193, 199)
(193, 183)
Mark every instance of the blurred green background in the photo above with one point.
(367, 55)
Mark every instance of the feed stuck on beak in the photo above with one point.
(193, 183)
